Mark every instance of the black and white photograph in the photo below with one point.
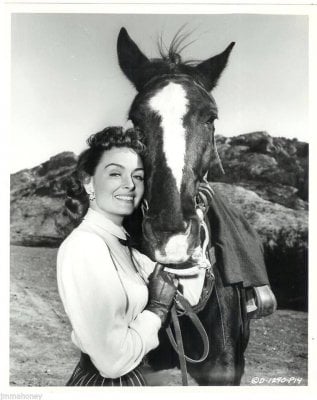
(159, 188)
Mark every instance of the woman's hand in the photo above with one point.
(162, 289)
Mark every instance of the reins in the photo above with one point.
(188, 311)
(202, 204)
(181, 306)
(177, 342)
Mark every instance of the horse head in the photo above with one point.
(175, 112)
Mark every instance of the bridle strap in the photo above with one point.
(166, 77)
(184, 77)
(204, 199)
(178, 344)
(189, 78)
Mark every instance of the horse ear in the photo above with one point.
(212, 68)
(131, 59)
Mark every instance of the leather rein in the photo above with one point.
(202, 205)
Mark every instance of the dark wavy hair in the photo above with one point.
(77, 201)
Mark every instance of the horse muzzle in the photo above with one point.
(172, 247)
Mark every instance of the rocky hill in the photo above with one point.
(275, 168)
(37, 202)
(265, 177)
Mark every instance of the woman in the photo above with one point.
(115, 308)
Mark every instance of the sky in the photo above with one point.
(66, 83)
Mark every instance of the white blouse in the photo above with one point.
(105, 298)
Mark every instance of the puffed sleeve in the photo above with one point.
(95, 302)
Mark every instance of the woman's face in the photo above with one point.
(118, 183)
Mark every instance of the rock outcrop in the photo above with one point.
(274, 168)
(266, 178)
(37, 202)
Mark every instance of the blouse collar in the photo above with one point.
(97, 220)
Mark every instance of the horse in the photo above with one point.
(175, 112)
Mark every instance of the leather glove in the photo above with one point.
(161, 292)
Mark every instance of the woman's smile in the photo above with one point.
(118, 183)
(127, 198)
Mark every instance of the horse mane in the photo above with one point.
(172, 53)
(171, 56)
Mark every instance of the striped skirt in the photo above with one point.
(86, 374)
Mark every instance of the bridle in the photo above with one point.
(203, 199)
(181, 306)
(196, 82)
(177, 76)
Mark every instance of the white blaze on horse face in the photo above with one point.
(171, 104)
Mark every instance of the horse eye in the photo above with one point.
(210, 120)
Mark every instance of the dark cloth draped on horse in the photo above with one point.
(238, 248)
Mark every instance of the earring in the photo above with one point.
(91, 196)
(144, 206)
